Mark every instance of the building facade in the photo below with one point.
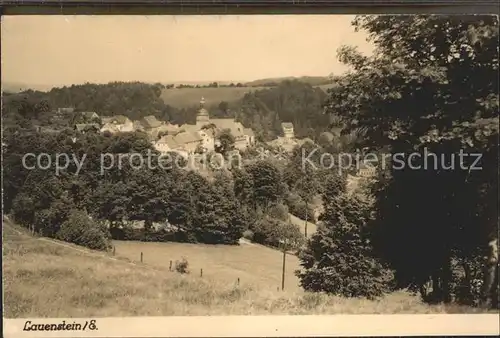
(117, 124)
(288, 131)
(189, 138)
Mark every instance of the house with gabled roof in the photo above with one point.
(184, 143)
(288, 131)
(150, 122)
(117, 124)
(90, 116)
(366, 170)
(86, 127)
(189, 137)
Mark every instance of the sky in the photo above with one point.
(62, 50)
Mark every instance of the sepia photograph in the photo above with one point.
(260, 166)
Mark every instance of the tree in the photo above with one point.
(149, 201)
(230, 221)
(268, 184)
(226, 142)
(80, 229)
(432, 86)
(210, 127)
(307, 187)
(223, 106)
(339, 259)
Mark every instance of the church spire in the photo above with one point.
(202, 102)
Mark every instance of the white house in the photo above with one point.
(288, 130)
(118, 123)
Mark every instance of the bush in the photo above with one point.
(81, 230)
(297, 207)
(248, 234)
(278, 211)
(299, 210)
(182, 266)
(270, 231)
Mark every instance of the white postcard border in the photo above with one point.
(259, 326)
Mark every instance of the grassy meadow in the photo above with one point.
(255, 265)
(189, 97)
(47, 278)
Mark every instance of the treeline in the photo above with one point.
(210, 85)
(134, 100)
(430, 225)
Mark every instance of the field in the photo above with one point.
(256, 266)
(46, 278)
(189, 97)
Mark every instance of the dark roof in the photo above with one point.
(84, 126)
(367, 166)
(150, 121)
(89, 114)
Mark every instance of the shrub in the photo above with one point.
(81, 230)
(182, 266)
(270, 231)
(248, 234)
(467, 286)
(299, 210)
(297, 207)
(278, 211)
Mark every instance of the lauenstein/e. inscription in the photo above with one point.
(63, 326)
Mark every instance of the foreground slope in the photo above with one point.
(44, 278)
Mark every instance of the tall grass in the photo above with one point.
(43, 279)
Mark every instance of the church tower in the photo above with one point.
(202, 118)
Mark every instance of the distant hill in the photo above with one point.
(16, 87)
(312, 80)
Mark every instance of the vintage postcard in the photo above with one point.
(258, 175)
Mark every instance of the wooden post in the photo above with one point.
(238, 281)
(170, 267)
(201, 272)
(141, 256)
(283, 272)
(305, 227)
(114, 250)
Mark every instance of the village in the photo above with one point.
(188, 139)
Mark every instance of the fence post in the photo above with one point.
(238, 281)
(170, 267)
(283, 272)
(201, 272)
(114, 250)
(141, 256)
